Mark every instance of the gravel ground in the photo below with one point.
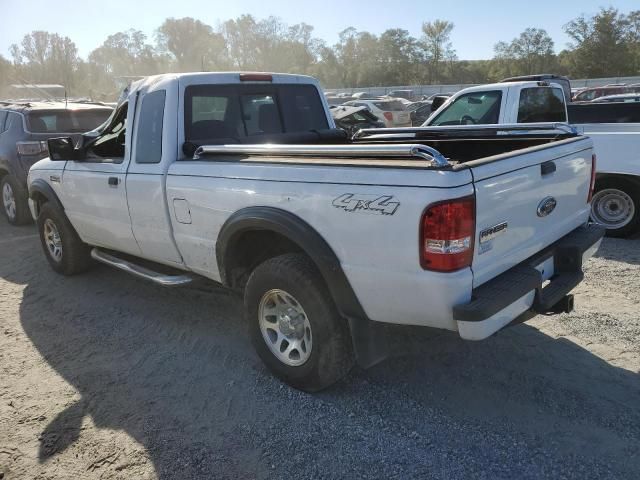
(105, 376)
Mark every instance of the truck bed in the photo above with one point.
(396, 148)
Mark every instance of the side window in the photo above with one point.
(587, 96)
(541, 104)
(3, 117)
(149, 130)
(109, 145)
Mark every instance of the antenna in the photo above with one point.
(65, 99)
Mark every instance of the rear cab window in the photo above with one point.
(541, 104)
(66, 121)
(219, 113)
(470, 109)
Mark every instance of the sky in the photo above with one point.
(478, 25)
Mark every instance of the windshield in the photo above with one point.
(66, 121)
(471, 108)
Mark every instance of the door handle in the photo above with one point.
(114, 181)
(547, 167)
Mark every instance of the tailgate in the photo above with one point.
(527, 200)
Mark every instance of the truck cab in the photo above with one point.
(503, 103)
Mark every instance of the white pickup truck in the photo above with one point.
(614, 129)
(242, 179)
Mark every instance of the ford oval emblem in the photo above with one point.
(546, 206)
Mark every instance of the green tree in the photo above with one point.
(600, 45)
(123, 54)
(303, 49)
(44, 57)
(193, 45)
(633, 39)
(531, 52)
(436, 42)
(6, 74)
(400, 57)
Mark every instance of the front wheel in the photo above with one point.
(294, 325)
(616, 206)
(65, 251)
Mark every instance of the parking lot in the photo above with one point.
(105, 376)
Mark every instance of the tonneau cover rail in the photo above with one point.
(414, 151)
(415, 132)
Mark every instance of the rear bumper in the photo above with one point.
(520, 293)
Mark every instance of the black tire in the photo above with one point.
(20, 212)
(331, 356)
(628, 191)
(75, 255)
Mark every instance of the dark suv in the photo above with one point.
(24, 130)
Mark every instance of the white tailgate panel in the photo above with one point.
(514, 198)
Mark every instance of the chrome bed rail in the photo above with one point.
(406, 151)
(414, 132)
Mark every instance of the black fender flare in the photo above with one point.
(39, 186)
(627, 177)
(367, 336)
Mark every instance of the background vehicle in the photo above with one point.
(623, 97)
(406, 94)
(444, 95)
(589, 94)
(352, 119)
(419, 112)
(613, 127)
(363, 96)
(391, 112)
(242, 178)
(24, 129)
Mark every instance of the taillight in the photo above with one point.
(388, 116)
(592, 185)
(32, 148)
(447, 235)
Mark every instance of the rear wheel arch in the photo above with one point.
(280, 232)
(621, 177)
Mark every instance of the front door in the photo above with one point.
(95, 196)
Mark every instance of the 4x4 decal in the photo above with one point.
(375, 204)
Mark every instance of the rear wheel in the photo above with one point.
(295, 327)
(65, 252)
(14, 202)
(616, 206)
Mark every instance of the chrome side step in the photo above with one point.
(140, 271)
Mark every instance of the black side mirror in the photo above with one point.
(62, 148)
(437, 102)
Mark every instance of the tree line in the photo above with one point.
(606, 44)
